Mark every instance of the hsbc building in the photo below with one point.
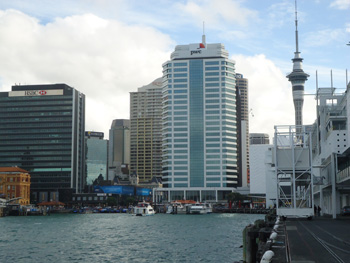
(42, 131)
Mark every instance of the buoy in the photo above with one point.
(267, 257)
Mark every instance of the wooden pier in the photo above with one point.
(242, 210)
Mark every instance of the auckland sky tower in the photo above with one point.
(297, 78)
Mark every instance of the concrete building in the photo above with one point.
(15, 183)
(242, 130)
(146, 128)
(258, 168)
(260, 155)
(119, 149)
(199, 123)
(42, 131)
(96, 149)
(331, 151)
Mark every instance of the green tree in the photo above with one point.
(234, 196)
(112, 201)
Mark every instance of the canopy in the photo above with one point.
(51, 203)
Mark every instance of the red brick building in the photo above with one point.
(15, 182)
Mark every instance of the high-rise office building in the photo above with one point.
(119, 149)
(146, 132)
(199, 123)
(242, 129)
(42, 131)
(96, 156)
(297, 77)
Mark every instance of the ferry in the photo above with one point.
(143, 209)
(201, 208)
(180, 207)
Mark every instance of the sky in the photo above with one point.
(109, 48)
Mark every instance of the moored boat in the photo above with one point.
(143, 209)
(180, 207)
(201, 208)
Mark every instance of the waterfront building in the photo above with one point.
(146, 128)
(199, 123)
(119, 149)
(15, 183)
(42, 131)
(298, 77)
(242, 130)
(331, 150)
(96, 156)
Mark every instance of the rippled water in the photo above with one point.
(123, 238)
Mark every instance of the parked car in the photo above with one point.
(345, 211)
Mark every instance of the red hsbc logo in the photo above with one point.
(42, 92)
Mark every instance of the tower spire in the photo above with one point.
(203, 36)
(296, 28)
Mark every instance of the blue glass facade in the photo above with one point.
(196, 124)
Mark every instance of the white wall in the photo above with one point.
(257, 161)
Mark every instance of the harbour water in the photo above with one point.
(123, 238)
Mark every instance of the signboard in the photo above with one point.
(94, 134)
(115, 189)
(143, 192)
(197, 48)
(27, 93)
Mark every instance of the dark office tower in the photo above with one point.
(297, 77)
(242, 129)
(42, 131)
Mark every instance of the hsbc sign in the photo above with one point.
(23, 93)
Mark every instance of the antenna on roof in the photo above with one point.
(296, 27)
(203, 36)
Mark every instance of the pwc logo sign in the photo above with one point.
(196, 48)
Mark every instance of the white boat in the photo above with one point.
(176, 208)
(143, 209)
(201, 208)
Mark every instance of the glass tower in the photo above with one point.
(96, 149)
(199, 123)
(42, 131)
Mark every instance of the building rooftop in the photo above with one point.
(12, 169)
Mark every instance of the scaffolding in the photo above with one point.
(293, 169)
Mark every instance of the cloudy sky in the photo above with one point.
(108, 48)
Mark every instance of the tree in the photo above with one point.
(112, 201)
(234, 196)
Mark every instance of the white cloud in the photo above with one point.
(324, 37)
(270, 95)
(217, 13)
(347, 27)
(104, 59)
(341, 4)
